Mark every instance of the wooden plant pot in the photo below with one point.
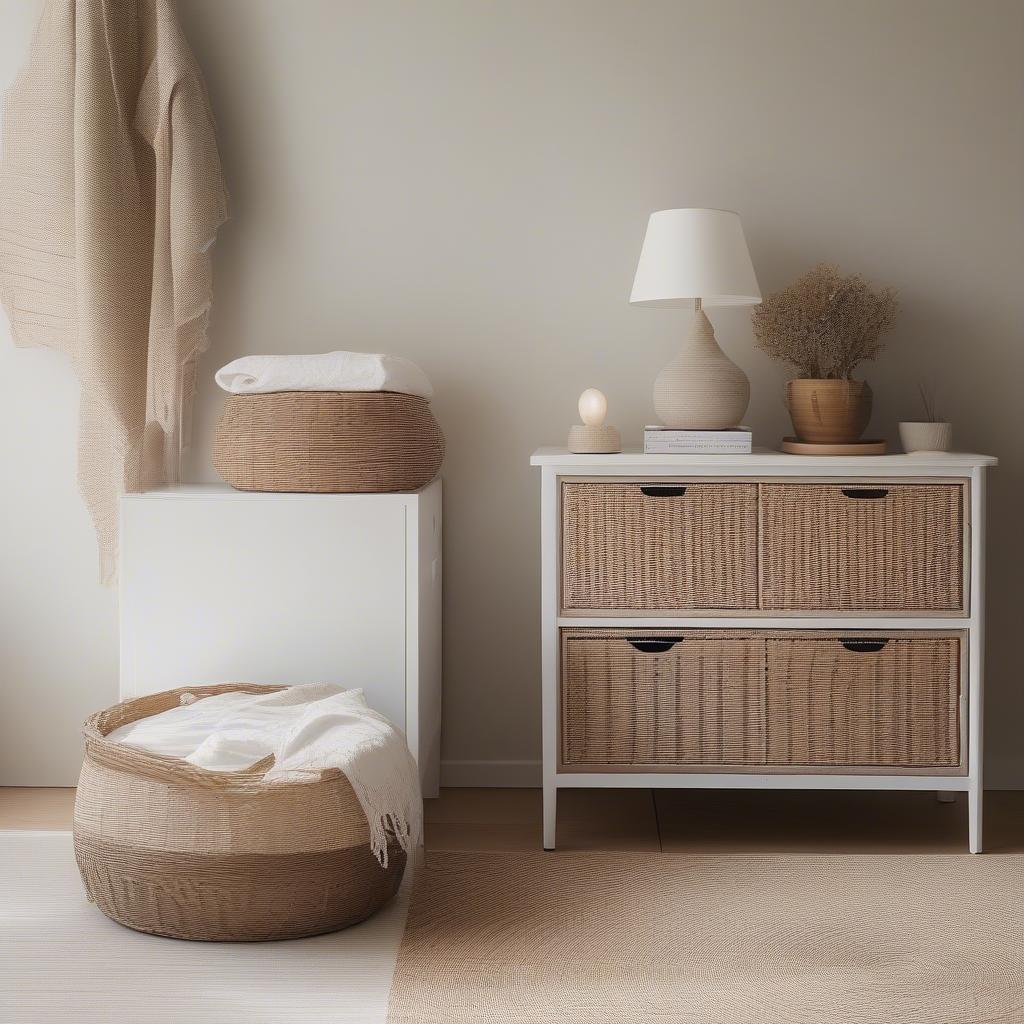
(829, 411)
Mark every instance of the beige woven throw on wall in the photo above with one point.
(110, 198)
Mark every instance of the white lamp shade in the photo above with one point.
(695, 254)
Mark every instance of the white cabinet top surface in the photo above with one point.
(220, 490)
(918, 463)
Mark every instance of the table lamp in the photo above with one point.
(691, 259)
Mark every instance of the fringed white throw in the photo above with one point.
(110, 198)
(307, 729)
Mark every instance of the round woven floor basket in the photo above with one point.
(172, 849)
(327, 442)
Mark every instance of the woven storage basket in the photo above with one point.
(874, 702)
(632, 546)
(327, 442)
(648, 699)
(680, 699)
(172, 849)
(831, 547)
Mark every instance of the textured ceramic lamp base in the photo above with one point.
(701, 389)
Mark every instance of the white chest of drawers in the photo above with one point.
(762, 621)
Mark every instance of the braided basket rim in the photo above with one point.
(171, 769)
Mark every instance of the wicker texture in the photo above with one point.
(700, 702)
(825, 550)
(327, 442)
(626, 549)
(169, 848)
(758, 698)
(897, 707)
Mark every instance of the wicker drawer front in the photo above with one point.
(891, 547)
(651, 701)
(893, 703)
(646, 546)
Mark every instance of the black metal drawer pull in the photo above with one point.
(653, 644)
(865, 492)
(863, 644)
(662, 491)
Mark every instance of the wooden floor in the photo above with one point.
(681, 821)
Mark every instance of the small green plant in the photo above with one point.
(826, 323)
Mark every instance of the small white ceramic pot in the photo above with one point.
(926, 437)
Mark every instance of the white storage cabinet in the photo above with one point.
(221, 585)
(763, 621)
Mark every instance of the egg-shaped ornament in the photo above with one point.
(592, 437)
(593, 407)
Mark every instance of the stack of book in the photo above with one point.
(671, 441)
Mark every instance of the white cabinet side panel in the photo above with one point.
(424, 645)
(281, 589)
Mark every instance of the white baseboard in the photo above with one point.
(491, 774)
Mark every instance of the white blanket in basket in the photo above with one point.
(307, 728)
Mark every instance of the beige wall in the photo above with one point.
(467, 184)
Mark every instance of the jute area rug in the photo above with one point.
(781, 939)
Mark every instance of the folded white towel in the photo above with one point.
(308, 729)
(327, 371)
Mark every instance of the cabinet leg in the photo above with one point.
(550, 815)
(974, 820)
(945, 796)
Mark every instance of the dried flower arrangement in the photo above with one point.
(826, 323)
(931, 414)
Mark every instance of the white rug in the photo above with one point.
(62, 960)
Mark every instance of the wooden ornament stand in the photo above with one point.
(584, 440)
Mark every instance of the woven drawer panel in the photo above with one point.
(623, 549)
(897, 707)
(700, 702)
(828, 547)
